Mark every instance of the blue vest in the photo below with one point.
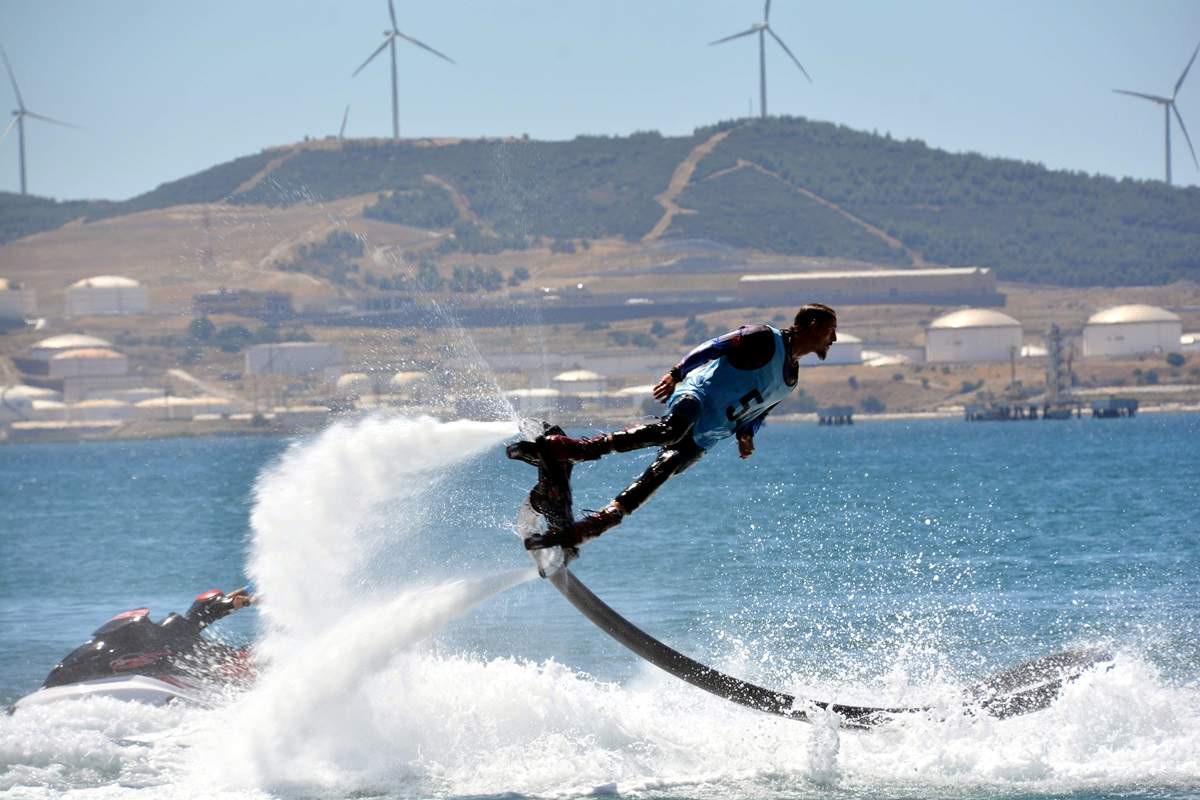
(732, 397)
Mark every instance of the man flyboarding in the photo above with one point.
(725, 387)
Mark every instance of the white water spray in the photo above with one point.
(319, 515)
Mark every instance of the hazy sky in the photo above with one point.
(165, 89)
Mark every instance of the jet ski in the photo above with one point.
(131, 657)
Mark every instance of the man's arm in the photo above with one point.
(745, 432)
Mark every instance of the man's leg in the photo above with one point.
(665, 431)
(674, 459)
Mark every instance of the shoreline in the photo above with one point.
(115, 431)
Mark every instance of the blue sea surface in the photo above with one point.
(878, 563)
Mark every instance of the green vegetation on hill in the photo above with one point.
(1026, 222)
(331, 259)
(749, 209)
(25, 215)
(588, 187)
(210, 186)
(1022, 220)
(421, 207)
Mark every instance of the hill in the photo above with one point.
(787, 186)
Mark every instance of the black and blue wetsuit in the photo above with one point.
(701, 411)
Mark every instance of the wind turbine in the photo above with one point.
(1168, 104)
(19, 115)
(762, 29)
(390, 37)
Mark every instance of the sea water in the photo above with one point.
(408, 650)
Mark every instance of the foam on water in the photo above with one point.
(318, 515)
(358, 697)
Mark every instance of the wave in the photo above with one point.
(359, 697)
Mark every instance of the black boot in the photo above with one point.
(584, 530)
(558, 447)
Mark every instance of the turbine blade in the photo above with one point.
(55, 121)
(345, 116)
(371, 57)
(8, 130)
(767, 12)
(789, 52)
(424, 46)
(12, 79)
(1151, 97)
(747, 32)
(1179, 82)
(1179, 117)
(392, 14)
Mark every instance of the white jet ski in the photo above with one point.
(130, 657)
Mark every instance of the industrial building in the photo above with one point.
(16, 302)
(106, 294)
(323, 359)
(244, 303)
(78, 367)
(1131, 330)
(848, 349)
(972, 335)
(580, 381)
(974, 286)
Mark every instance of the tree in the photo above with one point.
(201, 329)
(642, 340)
(1176, 359)
(232, 338)
(428, 278)
(695, 330)
(872, 405)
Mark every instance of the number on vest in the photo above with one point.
(749, 397)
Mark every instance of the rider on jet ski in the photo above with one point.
(131, 644)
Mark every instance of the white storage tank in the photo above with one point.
(295, 358)
(16, 302)
(48, 348)
(353, 384)
(100, 410)
(972, 335)
(106, 294)
(87, 362)
(15, 404)
(1131, 330)
(580, 381)
(848, 349)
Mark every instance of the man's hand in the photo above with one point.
(662, 391)
(240, 598)
(745, 444)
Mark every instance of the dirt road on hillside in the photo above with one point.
(679, 180)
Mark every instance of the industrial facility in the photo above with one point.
(16, 302)
(321, 359)
(974, 286)
(106, 295)
(1132, 330)
(77, 367)
(848, 349)
(972, 335)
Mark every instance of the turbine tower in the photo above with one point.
(762, 29)
(389, 41)
(1168, 104)
(19, 115)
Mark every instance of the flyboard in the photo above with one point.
(1024, 688)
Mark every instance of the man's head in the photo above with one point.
(814, 330)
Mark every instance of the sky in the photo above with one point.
(165, 89)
